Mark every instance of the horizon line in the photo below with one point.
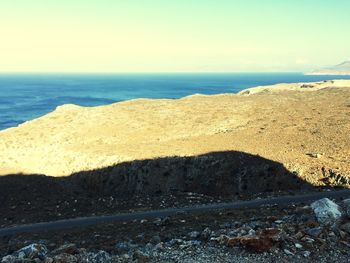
(143, 72)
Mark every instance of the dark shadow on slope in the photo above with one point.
(227, 175)
(217, 174)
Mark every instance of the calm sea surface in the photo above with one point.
(25, 97)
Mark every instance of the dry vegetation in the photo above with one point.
(308, 132)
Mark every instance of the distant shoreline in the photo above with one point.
(44, 92)
(326, 74)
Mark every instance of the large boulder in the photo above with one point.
(326, 211)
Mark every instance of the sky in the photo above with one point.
(172, 35)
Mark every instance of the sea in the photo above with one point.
(24, 97)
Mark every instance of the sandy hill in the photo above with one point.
(340, 69)
(305, 126)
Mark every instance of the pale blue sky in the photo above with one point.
(177, 35)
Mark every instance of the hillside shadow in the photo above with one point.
(217, 174)
(143, 184)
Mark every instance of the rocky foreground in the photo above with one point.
(316, 233)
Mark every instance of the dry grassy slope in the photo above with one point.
(281, 124)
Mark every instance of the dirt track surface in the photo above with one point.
(83, 222)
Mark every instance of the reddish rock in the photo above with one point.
(262, 242)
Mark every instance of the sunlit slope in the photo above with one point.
(304, 130)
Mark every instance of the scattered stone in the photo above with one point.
(8, 259)
(222, 239)
(194, 234)
(306, 253)
(175, 241)
(303, 210)
(157, 221)
(315, 155)
(254, 224)
(141, 257)
(299, 246)
(236, 224)
(331, 234)
(288, 252)
(206, 234)
(308, 239)
(65, 258)
(314, 232)
(225, 225)
(342, 234)
(159, 246)
(67, 248)
(155, 239)
(100, 257)
(32, 251)
(326, 211)
(345, 243)
(126, 257)
(191, 243)
(165, 221)
(288, 239)
(346, 227)
(48, 260)
(251, 232)
(122, 247)
(299, 235)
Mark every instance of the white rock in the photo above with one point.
(8, 259)
(297, 245)
(32, 251)
(288, 252)
(194, 234)
(251, 232)
(306, 253)
(326, 211)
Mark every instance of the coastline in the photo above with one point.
(73, 138)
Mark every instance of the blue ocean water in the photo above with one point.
(27, 96)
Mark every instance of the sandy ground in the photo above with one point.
(303, 130)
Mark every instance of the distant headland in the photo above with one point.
(340, 69)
